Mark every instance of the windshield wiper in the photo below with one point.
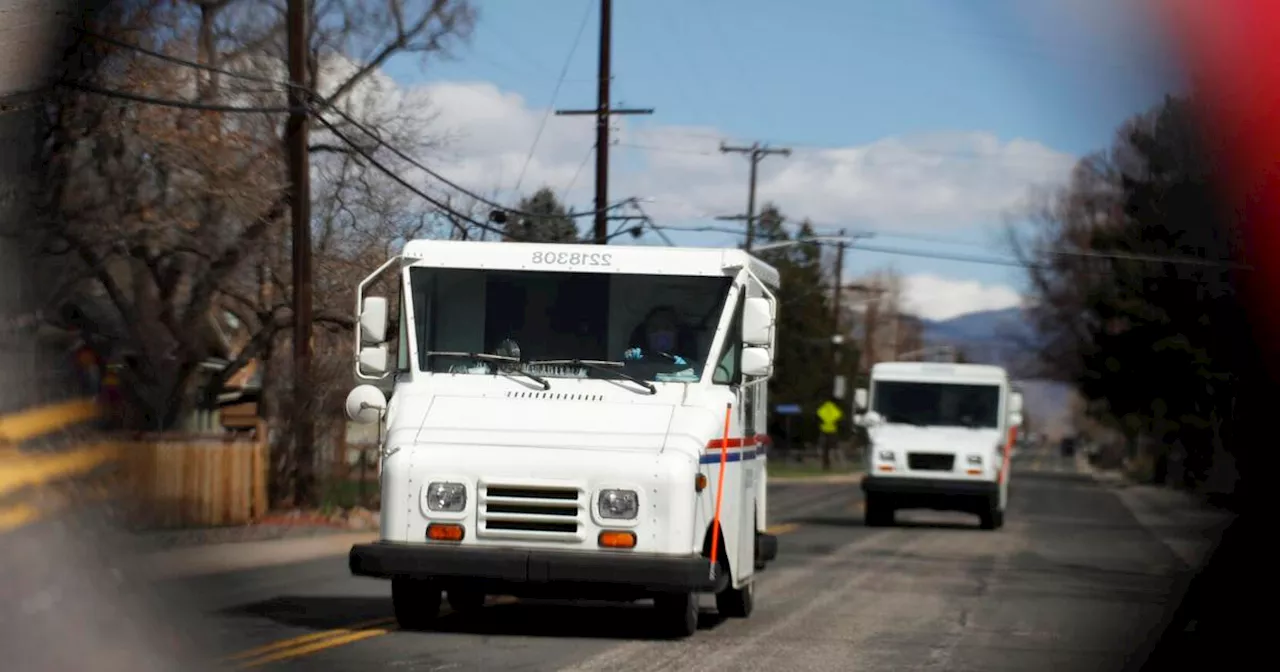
(600, 365)
(486, 357)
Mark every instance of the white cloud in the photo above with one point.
(940, 181)
(937, 298)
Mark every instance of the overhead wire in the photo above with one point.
(555, 93)
(1121, 256)
(332, 107)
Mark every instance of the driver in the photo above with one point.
(660, 338)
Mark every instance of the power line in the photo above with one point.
(1120, 256)
(454, 214)
(555, 93)
(168, 102)
(329, 105)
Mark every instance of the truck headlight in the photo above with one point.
(450, 497)
(618, 504)
(885, 455)
(975, 460)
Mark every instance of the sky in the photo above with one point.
(926, 123)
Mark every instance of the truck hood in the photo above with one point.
(545, 422)
(934, 439)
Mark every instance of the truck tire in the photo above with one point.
(737, 602)
(992, 517)
(877, 512)
(677, 613)
(416, 603)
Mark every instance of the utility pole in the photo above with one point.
(837, 339)
(756, 152)
(603, 112)
(298, 16)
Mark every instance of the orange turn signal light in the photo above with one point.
(886, 467)
(616, 539)
(445, 532)
(974, 472)
(700, 482)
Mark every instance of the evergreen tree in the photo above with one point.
(550, 224)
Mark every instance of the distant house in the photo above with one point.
(89, 322)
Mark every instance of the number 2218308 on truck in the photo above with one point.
(555, 420)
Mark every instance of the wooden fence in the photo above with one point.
(175, 480)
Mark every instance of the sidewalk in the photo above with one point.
(1181, 520)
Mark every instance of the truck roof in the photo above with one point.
(939, 371)
(586, 258)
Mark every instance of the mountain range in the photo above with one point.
(1007, 338)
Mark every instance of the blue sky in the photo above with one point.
(818, 74)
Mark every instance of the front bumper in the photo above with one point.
(928, 488)
(535, 567)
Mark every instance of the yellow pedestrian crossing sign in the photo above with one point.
(829, 413)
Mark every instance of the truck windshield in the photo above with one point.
(655, 328)
(937, 404)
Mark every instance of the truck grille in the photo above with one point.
(930, 461)
(517, 511)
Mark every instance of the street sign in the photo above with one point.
(787, 409)
(829, 413)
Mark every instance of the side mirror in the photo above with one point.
(365, 404)
(1015, 419)
(860, 399)
(373, 321)
(757, 362)
(1015, 402)
(757, 322)
(373, 360)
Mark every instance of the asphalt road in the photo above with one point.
(1074, 581)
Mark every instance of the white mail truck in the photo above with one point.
(940, 438)
(568, 421)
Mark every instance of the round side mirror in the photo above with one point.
(365, 404)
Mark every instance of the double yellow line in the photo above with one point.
(304, 645)
(308, 644)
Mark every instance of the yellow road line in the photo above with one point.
(27, 470)
(340, 640)
(16, 516)
(305, 639)
(319, 641)
(28, 424)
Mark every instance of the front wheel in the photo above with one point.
(677, 613)
(877, 512)
(416, 603)
(992, 518)
(737, 602)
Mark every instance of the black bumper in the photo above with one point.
(902, 486)
(516, 567)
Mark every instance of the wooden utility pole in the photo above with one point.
(603, 112)
(298, 16)
(837, 339)
(756, 152)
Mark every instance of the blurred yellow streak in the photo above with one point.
(782, 528)
(18, 471)
(13, 517)
(28, 424)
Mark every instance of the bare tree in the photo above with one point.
(175, 216)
